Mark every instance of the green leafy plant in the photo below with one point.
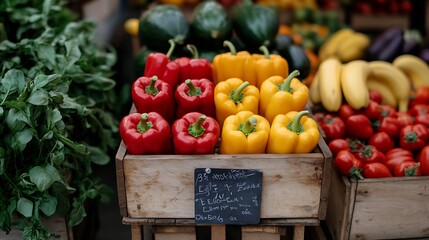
(57, 105)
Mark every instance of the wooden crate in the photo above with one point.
(388, 208)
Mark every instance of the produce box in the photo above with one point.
(295, 186)
(383, 208)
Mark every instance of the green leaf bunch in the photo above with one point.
(57, 105)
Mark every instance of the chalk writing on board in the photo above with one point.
(227, 196)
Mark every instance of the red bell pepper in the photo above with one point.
(382, 141)
(358, 126)
(348, 165)
(376, 170)
(413, 137)
(370, 154)
(153, 95)
(333, 127)
(195, 95)
(195, 133)
(389, 125)
(424, 160)
(195, 67)
(159, 64)
(146, 133)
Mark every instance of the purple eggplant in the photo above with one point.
(424, 54)
(387, 45)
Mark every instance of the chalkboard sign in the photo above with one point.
(227, 196)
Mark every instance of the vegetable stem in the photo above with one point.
(231, 47)
(237, 95)
(295, 125)
(196, 129)
(285, 86)
(249, 126)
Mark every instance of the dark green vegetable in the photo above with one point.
(160, 24)
(210, 25)
(139, 61)
(295, 55)
(255, 24)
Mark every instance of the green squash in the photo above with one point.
(255, 24)
(160, 24)
(210, 25)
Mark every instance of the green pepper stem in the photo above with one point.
(171, 49)
(265, 51)
(196, 129)
(295, 125)
(144, 125)
(249, 126)
(285, 86)
(193, 91)
(193, 50)
(237, 94)
(231, 47)
(410, 137)
(411, 171)
(151, 89)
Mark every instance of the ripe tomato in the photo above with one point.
(376, 170)
(372, 111)
(370, 154)
(337, 145)
(396, 156)
(375, 96)
(345, 111)
(424, 160)
(347, 164)
(382, 142)
(407, 168)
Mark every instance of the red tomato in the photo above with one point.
(370, 154)
(424, 160)
(375, 96)
(388, 111)
(389, 125)
(404, 119)
(396, 152)
(396, 156)
(421, 96)
(376, 170)
(382, 141)
(422, 119)
(347, 164)
(337, 145)
(345, 111)
(359, 126)
(407, 168)
(372, 111)
(418, 109)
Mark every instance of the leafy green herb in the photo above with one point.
(57, 105)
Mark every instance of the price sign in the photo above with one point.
(227, 196)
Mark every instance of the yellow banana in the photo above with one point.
(388, 98)
(353, 47)
(314, 92)
(329, 73)
(329, 47)
(395, 79)
(415, 68)
(353, 83)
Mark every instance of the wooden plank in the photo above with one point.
(56, 224)
(218, 232)
(326, 178)
(298, 232)
(174, 233)
(262, 232)
(338, 206)
(120, 181)
(391, 208)
(136, 232)
(160, 186)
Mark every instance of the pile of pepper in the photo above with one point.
(242, 103)
(379, 141)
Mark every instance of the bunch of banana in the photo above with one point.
(345, 44)
(337, 82)
(414, 68)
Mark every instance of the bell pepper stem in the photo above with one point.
(196, 129)
(144, 125)
(248, 126)
(193, 91)
(171, 49)
(231, 47)
(285, 86)
(237, 94)
(193, 50)
(265, 51)
(151, 89)
(295, 125)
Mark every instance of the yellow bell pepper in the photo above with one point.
(293, 132)
(280, 96)
(231, 64)
(244, 133)
(268, 65)
(234, 95)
